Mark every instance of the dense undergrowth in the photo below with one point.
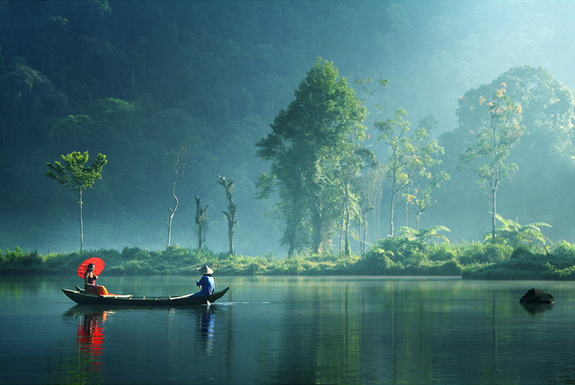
(391, 256)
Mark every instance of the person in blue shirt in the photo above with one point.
(206, 282)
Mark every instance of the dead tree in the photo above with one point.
(231, 213)
(179, 159)
(201, 221)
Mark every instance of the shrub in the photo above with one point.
(564, 250)
(401, 249)
(442, 252)
(483, 253)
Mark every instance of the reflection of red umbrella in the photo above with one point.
(98, 266)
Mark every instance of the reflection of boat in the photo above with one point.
(82, 297)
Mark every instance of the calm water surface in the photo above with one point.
(285, 330)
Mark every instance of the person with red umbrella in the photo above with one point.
(89, 270)
(90, 282)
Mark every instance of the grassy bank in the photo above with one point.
(391, 256)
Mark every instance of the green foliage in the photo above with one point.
(18, 262)
(74, 174)
(423, 234)
(491, 146)
(410, 157)
(516, 235)
(312, 145)
(391, 256)
(526, 263)
(564, 250)
(478, 253)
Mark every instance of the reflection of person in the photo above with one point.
(206, 282)
(205, 330)
(90, 282)
(90, 336)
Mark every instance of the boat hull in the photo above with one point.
(83, 298)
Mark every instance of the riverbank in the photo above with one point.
(391, 256)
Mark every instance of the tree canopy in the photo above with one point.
(310, 140)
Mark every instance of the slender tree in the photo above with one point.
(201, 221)
(179, 158)
(368, 187)
(75, 175)
(410, 156)
(231, 213)
(487, 154)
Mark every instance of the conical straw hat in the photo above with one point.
(205, 270)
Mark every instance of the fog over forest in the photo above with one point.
(136, 81)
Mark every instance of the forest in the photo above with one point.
(446, 120)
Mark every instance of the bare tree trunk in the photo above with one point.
(172, 213)
(347, 246)
(317, 233)
(231, 225)
(341, 232)
(493, 214)
(494, 204)
(81, 218)
(360, 234)
(201, 219)
(180, 158)
(364, 243)
(363, 221)
(231, 213)
(391, 213)
(406, 212)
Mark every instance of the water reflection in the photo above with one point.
(205, 331)
(286, 331)
(90, 337)
(537, 308)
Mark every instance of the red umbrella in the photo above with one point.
(98, 266)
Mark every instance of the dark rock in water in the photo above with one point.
(535, 296)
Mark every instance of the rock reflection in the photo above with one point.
(537, 308)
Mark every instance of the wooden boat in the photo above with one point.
(81, 297)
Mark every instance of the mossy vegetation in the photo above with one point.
(390, 256)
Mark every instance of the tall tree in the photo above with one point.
(410, 156)
(487, 154)
(369, 186)
(231, 213)
(75, 175)
(323, 121)
(179, 158)
(347, 168)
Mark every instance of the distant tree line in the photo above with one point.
(136, 82)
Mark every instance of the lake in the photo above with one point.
(289, 330)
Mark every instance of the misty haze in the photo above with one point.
(286, 192)
(138, 82)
